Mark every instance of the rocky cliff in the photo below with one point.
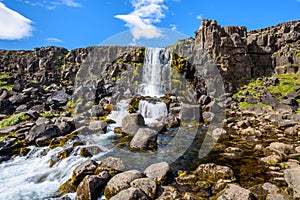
(242, 55)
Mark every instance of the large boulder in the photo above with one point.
(147, 185)
(88, 167)
(121, 182)
(42, 134)
(130, 194)
(92, 186)
(111, 164)
(235, 192)
(98, 126)
(190, 113)
(292, 177)
(158, 172)
(144, 139)
(214, 173)
(131, 123)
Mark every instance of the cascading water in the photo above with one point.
(156, 76)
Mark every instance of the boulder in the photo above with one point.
(282, 108)
(219, 134)
(98, 126)
(97, 111)
(59, 97)
(111, 164)
(235, 192)
(92, 186)
(131, 123)
(189, 113)
(146, 185)
(158, 172)
(88, 167)
(277, 148)
(42, 134)
(121, 182)
(130, 194)
(292, 178)
(144, 139)
(214, 173)
(167, 192)
(89, 151)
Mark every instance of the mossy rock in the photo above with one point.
(66, 187)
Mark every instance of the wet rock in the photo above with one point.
(204, 100)
(144, 139)
(6, 107)
(235, 192)
(121, 182)
(191, 196)
(232, 152)
(158, 172)
(146, 185)
(189, 113)
(66, 187)
(213, 172)
(90, 151)
(131, 123)
(130, 194)
(208, 116)
(292, 178)
(171, 121)
(111, 164)
(92, 186)
(64, 127)
(167, 192)
(88, 167)
(98, 126)
(42, 134)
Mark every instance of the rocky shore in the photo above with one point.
(257, 148)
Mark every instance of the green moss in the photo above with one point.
(4, 75)
(3, 83)
(287, 84)
(276, 53)
(68, 54)
(244, 104)
(298, 53)
(63, 66)
(59, 57)
(294, 65)
(50, 114)
(14, 119)
(141, 51)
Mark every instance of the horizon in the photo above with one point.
(73, 24)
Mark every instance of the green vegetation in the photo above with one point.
(59, 57)
(247, 105)
(294, 65)
(251, 88)
(276, 53)
(141, 51)
(63, 66)
(3, 83)
(4, 75)
(14, 119)
(178, 63)
(50, 115)
(72, 104)
(298, 53)
(287, 84)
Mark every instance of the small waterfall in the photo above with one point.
(156, 72)
(152, 111)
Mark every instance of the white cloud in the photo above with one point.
(199, 17)
(51, 5)
(141, 21)
(13, 25)
(54, 40)
(70, 3)
(173, 27)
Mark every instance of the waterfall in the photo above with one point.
(156, 72)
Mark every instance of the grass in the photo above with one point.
(244, 104)
(251, 88)
(4, 75)
(286, 85)
(50, 115)
(13, 120)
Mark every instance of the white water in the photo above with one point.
(156, 74)
(31, 178)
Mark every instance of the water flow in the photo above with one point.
(156, 72)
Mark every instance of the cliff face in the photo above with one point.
(242, 55)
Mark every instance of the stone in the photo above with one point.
(167, 192)
(144, 139)
(208, 117)
(204, 100)
(92, 186)
(277, 148)
(214, 173)
(60, 97)
(6, 107)
(98, 126)
(121, 182)
(146, 185)
(89, 151)
(42, 134)
(158, 172)
(276, 197)
(271, 188)
(97, 111)
(88, 167)
(272, 159)
(131, 123)
(171, 121)
(219, 134)
(292, 178)
(7, 130)
(282, 108)
(235, 192)
(111, 164)
(130, 194)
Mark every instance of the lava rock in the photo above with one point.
(130, 194)
(86, 168)
(144, 139)
(6, 107)
(235, 192)
(159, 172)
(131, 123)
(42, 134)
(213, 172)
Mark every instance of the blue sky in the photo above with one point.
(26, 24)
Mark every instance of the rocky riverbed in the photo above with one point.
(50, 107)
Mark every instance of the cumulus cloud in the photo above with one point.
(13, 25)
(141, 21)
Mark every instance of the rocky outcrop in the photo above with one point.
(242, 55)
